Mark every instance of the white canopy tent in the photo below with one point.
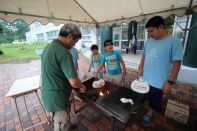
(91, 12)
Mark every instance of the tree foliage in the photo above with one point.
(13, 31)
(169, 22)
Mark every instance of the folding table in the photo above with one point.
(24, 87)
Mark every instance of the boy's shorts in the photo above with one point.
(115, 79)
(154, 96)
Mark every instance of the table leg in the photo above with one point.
(112, 124)
(73, 102)
(74, 107)
(42, 107)
(123, 80)
(26, 105)
(18, 113)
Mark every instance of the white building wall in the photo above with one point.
(49, 32)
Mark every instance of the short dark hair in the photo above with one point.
(70, 29)
(94, 47)
(107, 42)
(155, 21)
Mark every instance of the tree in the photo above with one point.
(22, 28)
(1, 29)
(12, 31)
(169, 22)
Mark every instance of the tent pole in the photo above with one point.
(186, 28)
(176, 23)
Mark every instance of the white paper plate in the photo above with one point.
(140, 86)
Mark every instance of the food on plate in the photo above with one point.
(98, 84)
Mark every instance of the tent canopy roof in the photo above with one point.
(90, 12)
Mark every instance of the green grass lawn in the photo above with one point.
(14, 52)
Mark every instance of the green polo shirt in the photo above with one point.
(56, 68)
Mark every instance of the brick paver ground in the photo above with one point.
(88, 119)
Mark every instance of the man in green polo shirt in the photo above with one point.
(59, 76)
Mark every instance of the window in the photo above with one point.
(40, 37)
(86, 30)
(120, 35)
(124, 44)
(125, 33)
(141, 30)
(52, 34)
(86, 38)
(140, 34)
(116, 36)
(180, 22)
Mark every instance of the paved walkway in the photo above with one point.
(88, 119)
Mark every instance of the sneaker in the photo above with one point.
(147, 119)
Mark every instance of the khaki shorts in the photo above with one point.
(61, 120)
(115, 79)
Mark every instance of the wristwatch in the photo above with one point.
(171, 82)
